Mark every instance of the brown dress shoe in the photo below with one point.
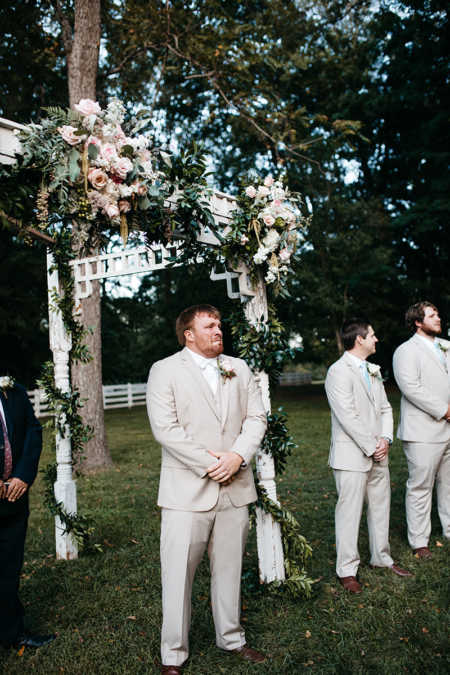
(350, 584)
(396, 569)
(248, 654)
(423, 553)
(171, 670)
(400, 571)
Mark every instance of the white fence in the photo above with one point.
(129, 395)
(114, 396)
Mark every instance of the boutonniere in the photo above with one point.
(6, 383)
(226, 368)
(443, 346)
(374, 370)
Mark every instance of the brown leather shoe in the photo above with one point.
(423, 553)
(350, 584)
(396, 569)
(400, 571)
(171, 670)
(248, 654)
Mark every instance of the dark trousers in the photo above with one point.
(13, 529)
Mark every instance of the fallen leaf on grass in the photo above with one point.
(335, 632)
(21, 651)
(439, 544)
(133, 541)
(405, 639)
(308, 634)
(425, 630)
(132, 618)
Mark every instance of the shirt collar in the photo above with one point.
(200, 360)
(356, 360)
(430, 343)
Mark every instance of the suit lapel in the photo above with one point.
(224, 388)
(356, 371)
(432, 353)
(204, 388)
(8, 415)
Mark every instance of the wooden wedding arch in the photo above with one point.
(134, 261)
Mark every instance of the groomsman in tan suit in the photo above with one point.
(206, 411)
(361, 433)
(421, 368)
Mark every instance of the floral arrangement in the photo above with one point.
(99, 172)
(266, 231)
(225, 368)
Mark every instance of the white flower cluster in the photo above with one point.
(278, 222)
(120, 167)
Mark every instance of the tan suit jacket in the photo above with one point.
(359, 416)
(187, 420)
(424, 382)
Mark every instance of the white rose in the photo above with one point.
(271, 240)
(268, 219)
(111, 210)
(250, 192)
(88, 107)
(97, 178)
(268, 181)
(263, 191)
(109, 152)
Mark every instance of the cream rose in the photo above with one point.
(68, 134)
(122, 166)
(97, 178)
(250, 192)
(268, 181)
(87, 107)
(263, 191)
(112, 210)
(268, 219)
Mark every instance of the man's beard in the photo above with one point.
(431, 332)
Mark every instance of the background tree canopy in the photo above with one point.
(350, 100)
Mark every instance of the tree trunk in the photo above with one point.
(82, 49)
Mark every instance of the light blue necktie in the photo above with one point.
(365, 372)
(440, 352)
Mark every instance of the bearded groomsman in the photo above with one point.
(207, 413)
(361, 433)
(421, 369)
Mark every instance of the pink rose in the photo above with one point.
(97, 178)
(268, 181)
(87, 107)
(122, 166)
(250, 192)
(68, 134)
(111, 210)
(284, 255)
(109, 152)
(124, 205)
(276, 202)
(268, 219)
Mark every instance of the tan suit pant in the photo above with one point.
(428, 463)
(184, 537)
(353, 487)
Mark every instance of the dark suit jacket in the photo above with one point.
(25, 435)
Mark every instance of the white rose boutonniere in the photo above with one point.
(444, 345)
(374, 370)
(6, 383)
(226, 368)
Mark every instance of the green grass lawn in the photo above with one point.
(106, 607)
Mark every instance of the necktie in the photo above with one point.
(365, 373)
(210, 373)
(439, 352)
(7, 467)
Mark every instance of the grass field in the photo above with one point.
(106, 607)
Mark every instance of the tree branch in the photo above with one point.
(66, 28)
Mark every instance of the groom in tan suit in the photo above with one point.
(361, 433)
(206, 412)
(421, 368)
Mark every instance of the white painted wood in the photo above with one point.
(268, 533)
(9, 143)
(65, 486)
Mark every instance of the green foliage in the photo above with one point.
(277, 441)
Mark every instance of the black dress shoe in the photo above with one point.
(33, 641)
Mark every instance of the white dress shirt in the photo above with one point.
(208, 368)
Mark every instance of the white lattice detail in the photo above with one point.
(138, 260)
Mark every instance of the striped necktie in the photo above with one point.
(7, 466)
